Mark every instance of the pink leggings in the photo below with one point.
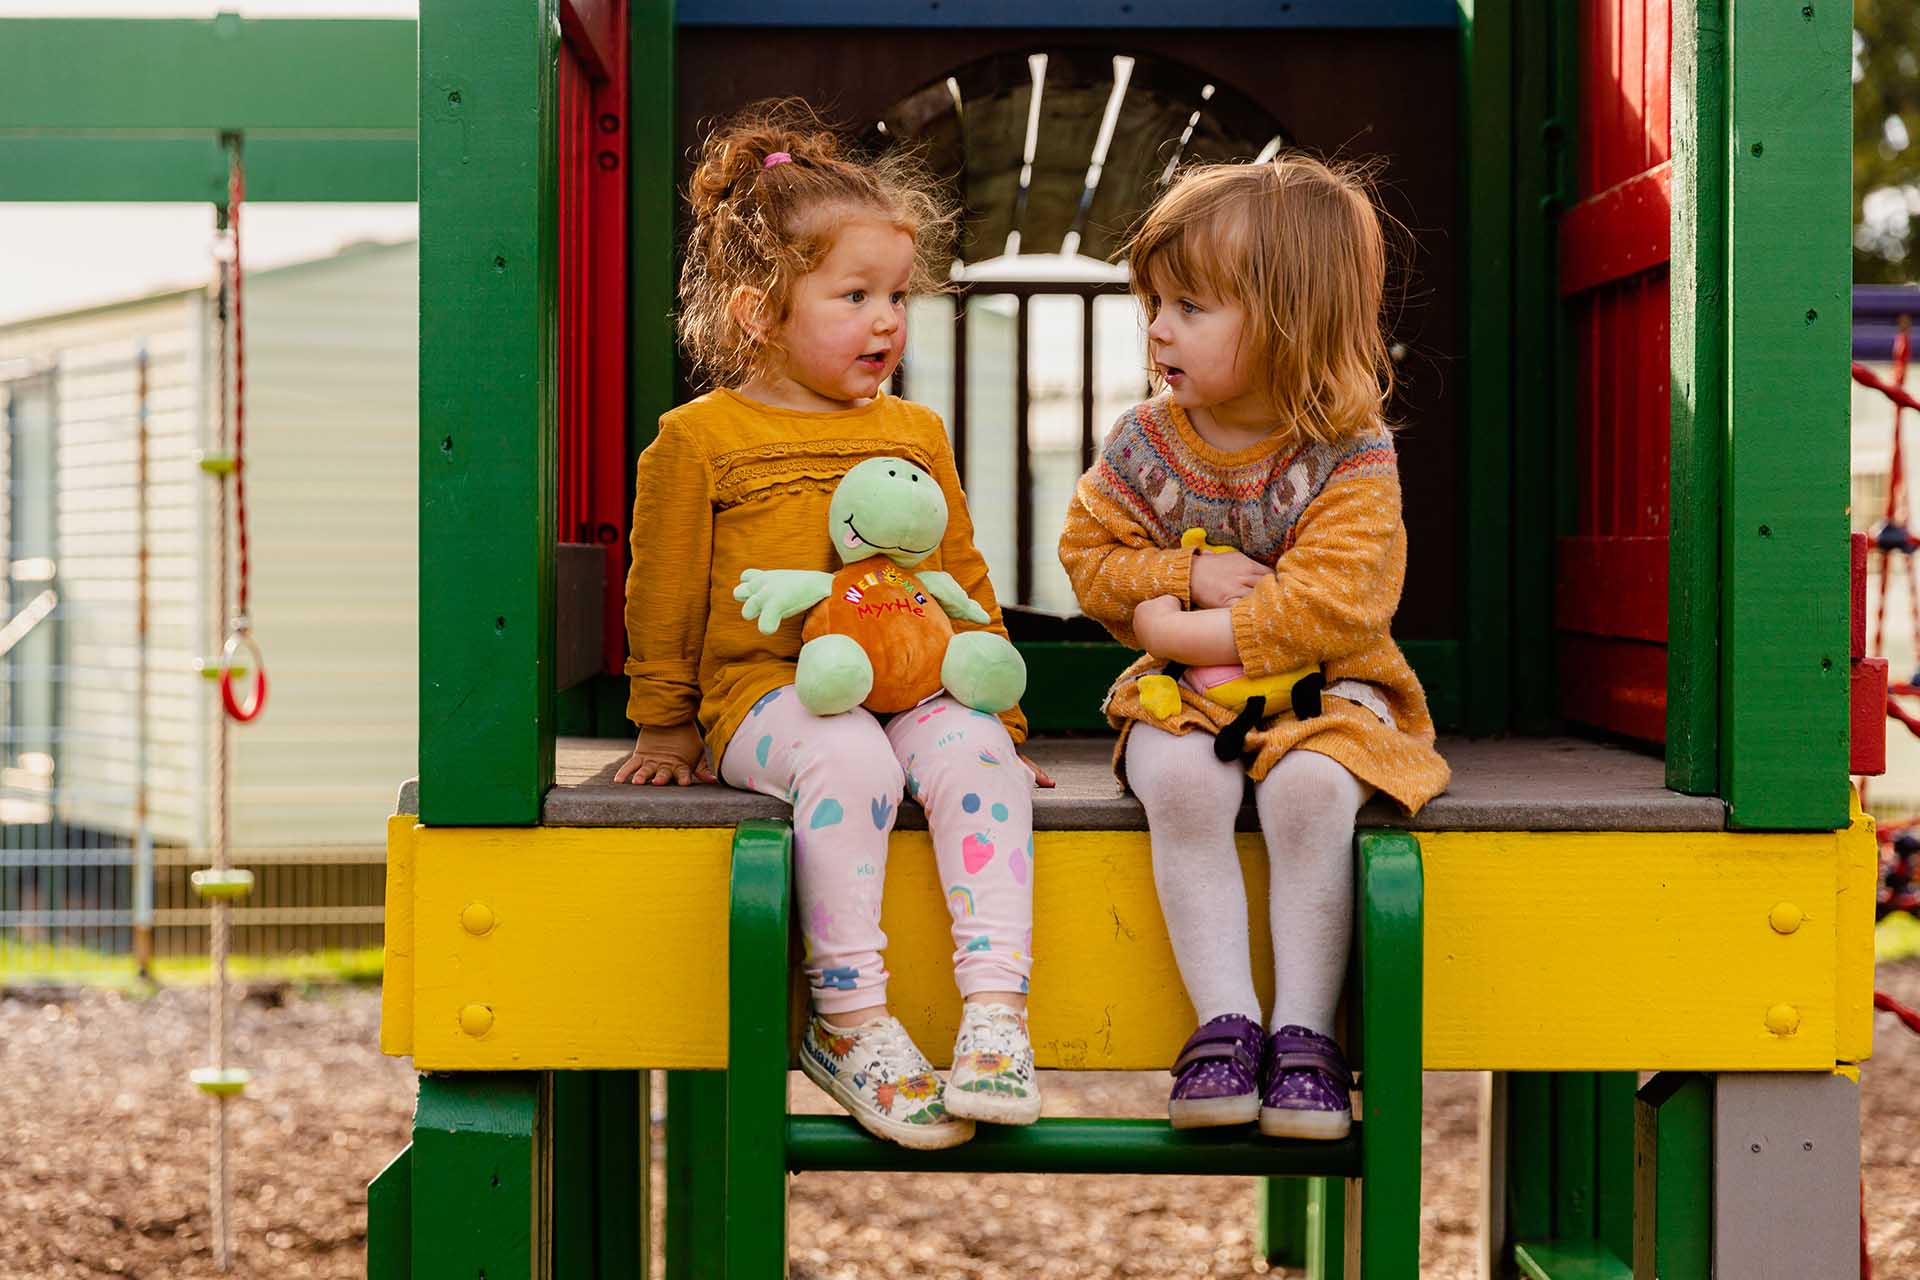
(844, 775)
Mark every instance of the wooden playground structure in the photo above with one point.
(1625, 427)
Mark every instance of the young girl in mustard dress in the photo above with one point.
(793, 307)
(1263, 286)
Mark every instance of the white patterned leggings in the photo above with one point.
(844, 776)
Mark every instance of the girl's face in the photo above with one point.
(846, 324)
(1194, 345)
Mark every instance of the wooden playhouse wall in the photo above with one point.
(1610, 581)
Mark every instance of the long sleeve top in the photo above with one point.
(731, 484)
(1327, 519)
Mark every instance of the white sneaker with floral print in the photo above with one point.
(876, 1073)
(992, 1077)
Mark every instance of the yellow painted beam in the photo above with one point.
(397, 974)
(1602, 951)
(1856, 881)
(532, 948)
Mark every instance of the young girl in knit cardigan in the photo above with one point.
(793, 306)
(1263, 285)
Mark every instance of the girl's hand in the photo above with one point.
(674, 754)
(1150, 618)
(1041, 778)
(1218, 579)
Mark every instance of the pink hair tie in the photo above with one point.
(776, 157)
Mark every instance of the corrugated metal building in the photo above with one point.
(331, 355)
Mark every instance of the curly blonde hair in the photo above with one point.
(1298, 244)
(763, 227)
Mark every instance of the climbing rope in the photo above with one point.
(222, 883)
(240, 631)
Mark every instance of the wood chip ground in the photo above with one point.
(103, 1160)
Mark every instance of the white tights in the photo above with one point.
(1307, 805)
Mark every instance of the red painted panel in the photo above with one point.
(1868, 747)
(1617, 233)
(1612, 587)
(1859, 548)
(596, 32)
(1659, 81)
(1611, 590)
(592, 346)
(1625, 65)
(1619, 685)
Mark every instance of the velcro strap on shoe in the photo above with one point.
(1213, 1044)
(1304, 1055)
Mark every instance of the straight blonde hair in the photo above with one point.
(1297, 244)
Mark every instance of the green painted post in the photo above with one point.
(1613, 1160)
(756, 1185)
(479, 1199)
(652, 261)
(1280, 1221)
(488, 254)
(623, 1148)
(569, 1133)
(595, 1150)
(1784, 600)
(1326, 1228)
(1541, 141)
(1698, 284)
(696, 1175)
(653, 160)
(390, 1220)
(1673, 1177)
(1486, 50)
(1573, 1155)
(1529, 1156)
(1391, 914)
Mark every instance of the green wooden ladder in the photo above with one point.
(519, 1175)
(745, 1235)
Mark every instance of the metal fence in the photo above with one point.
(105, 716)
(1028, 375)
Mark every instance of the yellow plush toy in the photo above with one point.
(1230, 686)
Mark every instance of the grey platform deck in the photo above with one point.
(1511, 784)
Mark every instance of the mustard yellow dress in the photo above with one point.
(732, 484)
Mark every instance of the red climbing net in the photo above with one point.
(1892, 535)
(1891, 541)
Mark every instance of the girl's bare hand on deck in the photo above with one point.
(1041, 778)
(675, 754)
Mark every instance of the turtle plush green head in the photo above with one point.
(887, 507)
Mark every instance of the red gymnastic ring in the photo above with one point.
(228, 699)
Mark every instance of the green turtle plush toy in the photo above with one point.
(877, 635)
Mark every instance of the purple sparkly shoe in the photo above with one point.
(1304, 1087)
(1216, 1077)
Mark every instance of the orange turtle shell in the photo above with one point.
(903, 630)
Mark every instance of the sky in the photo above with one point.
(57, 257)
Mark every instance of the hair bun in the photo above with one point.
(748, 144)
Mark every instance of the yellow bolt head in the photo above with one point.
(1783, 1019)
(478, 919)
(476, 1020)
(1785, 917)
